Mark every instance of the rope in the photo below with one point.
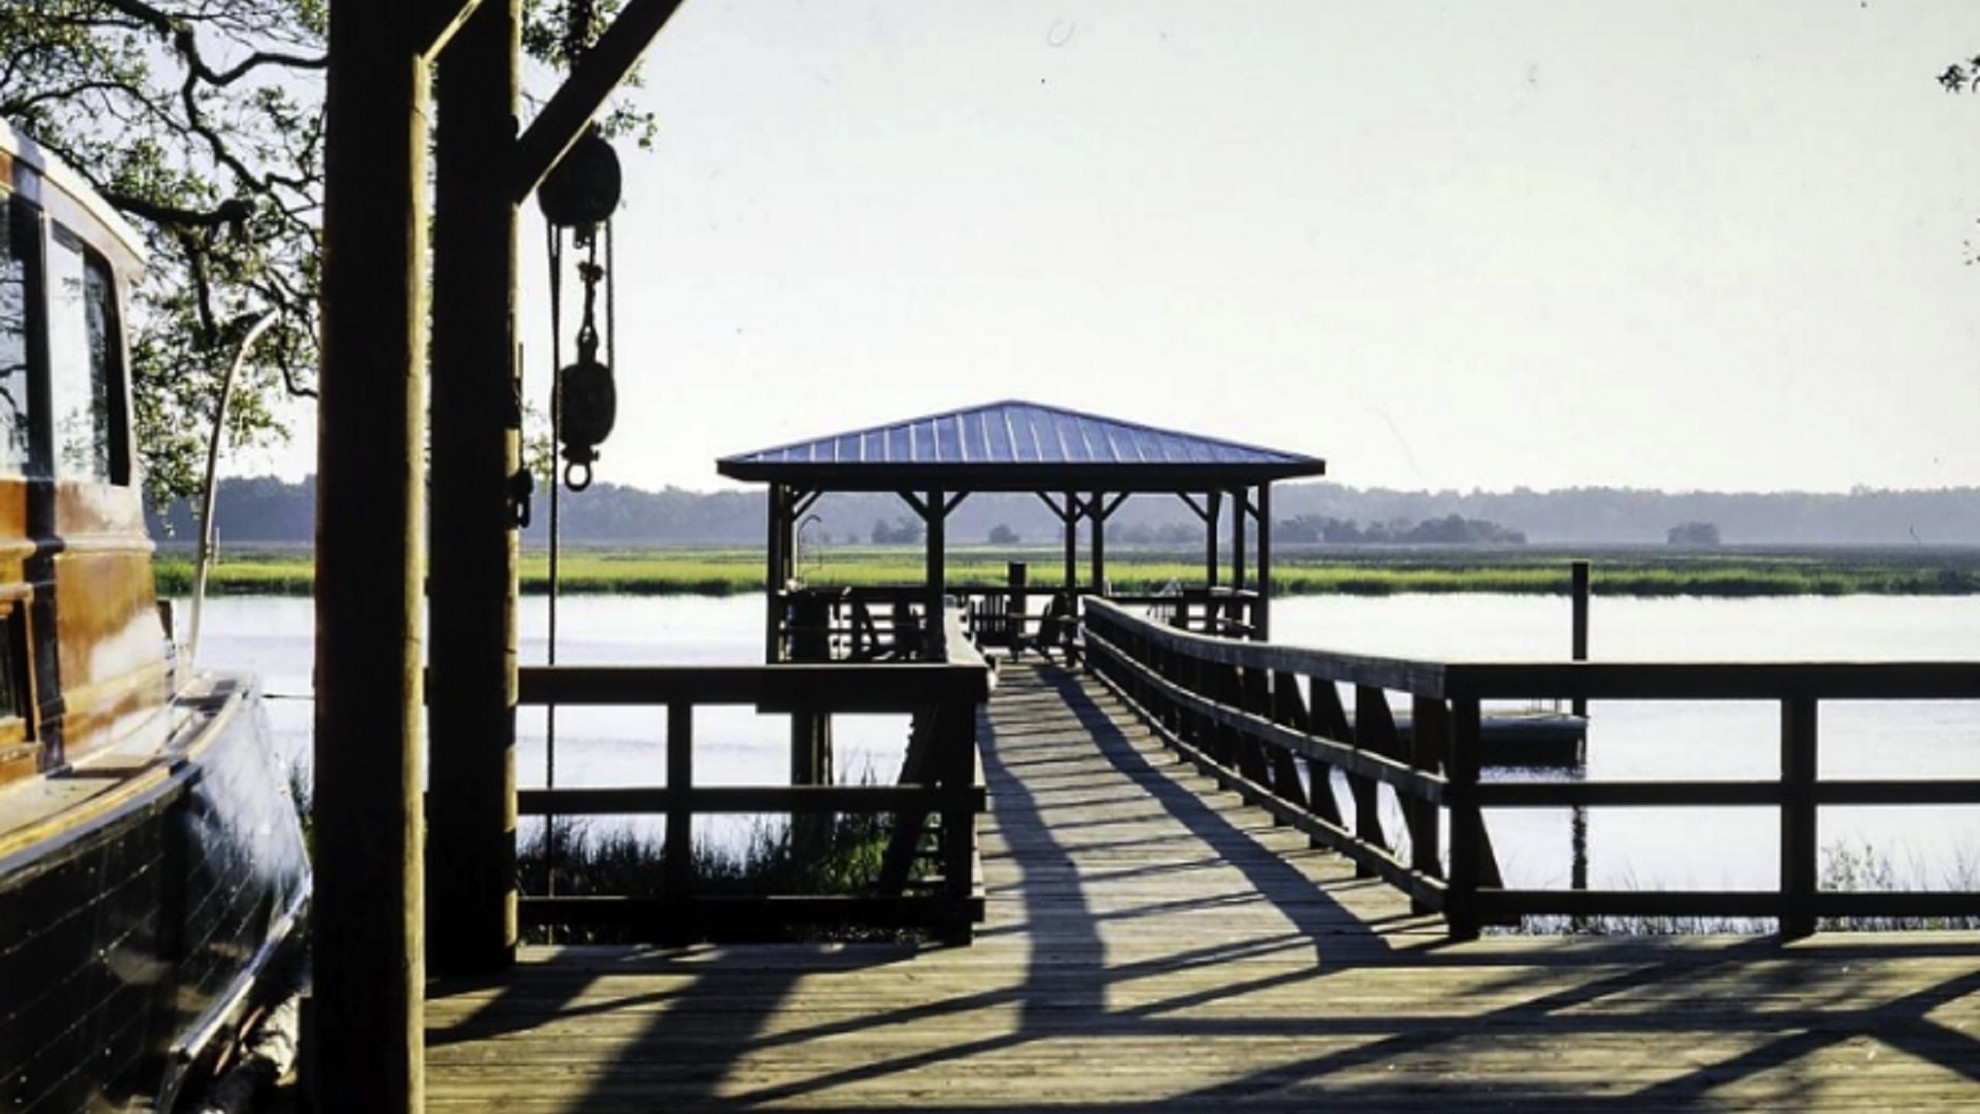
(556, 251)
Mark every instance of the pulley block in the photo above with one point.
(587, 405)
(583, 189)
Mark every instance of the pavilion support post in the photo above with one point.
(1240, 520)
(1099, 509)
(937, 564)
(367, 922)
(1214, 504)
(1098, 517)
(776, 565)
(1070, 517)
(1261, 615)
(477, 415)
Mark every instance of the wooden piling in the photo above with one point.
(476, 421)
(367, 920)
(1578, 638)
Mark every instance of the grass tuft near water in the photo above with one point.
(593, 860)
(1846, 867)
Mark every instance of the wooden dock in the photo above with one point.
(1152, 943)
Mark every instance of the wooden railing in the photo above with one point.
(887, 622)
(938, 800)
(1229, 612)
(1255, 714)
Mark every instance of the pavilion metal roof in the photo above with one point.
(1017, 445)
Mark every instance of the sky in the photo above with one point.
(1461, 245)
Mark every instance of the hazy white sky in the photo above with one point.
(1676, 244)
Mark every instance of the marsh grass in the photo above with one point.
(1297, 570)
(610, 860)
(1847, 867)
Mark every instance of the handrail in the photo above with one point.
(1251, 713)
(1608, 680)
(900, 687)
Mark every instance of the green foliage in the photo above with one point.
(201, 122)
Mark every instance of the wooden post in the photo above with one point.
(1798, 832)
(471, 702)
(1328, 719)
(1098, 515)
(1429, 742)
(938, 569)
(677, 853)
(776, 534)
(956, 724)
(1213, 511)
(1578, 577)
(1070, 516)
(1471, 861)
(1261, 617)
(1374, 730)
(366, 920)
(1240, 512)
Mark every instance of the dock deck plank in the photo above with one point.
(1150, 943)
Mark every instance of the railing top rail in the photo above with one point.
(1926, 680)
(814, 687)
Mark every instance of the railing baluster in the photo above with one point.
(1328, 720)
(677, 858)
(1798, 832)
(956, 724)
(1429, 741)
(1283, 705)
(1469, 851)
(1374, 730)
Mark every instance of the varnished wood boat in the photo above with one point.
(151, 862)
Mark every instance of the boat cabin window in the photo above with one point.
(16, 233)
(82, 360)
(13, 676)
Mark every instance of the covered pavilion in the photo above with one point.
(1081, 465)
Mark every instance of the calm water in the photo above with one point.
(1625, 847)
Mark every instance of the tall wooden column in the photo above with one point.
(477, 416)
(1097, 533)
(1070, 516)
(1240, 516)
(776, 569)
(937, 515)
(367, 919)
(1262, 614)
(1214, 501)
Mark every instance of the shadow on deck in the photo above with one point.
(1150, 943)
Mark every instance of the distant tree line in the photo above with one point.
(1451, 529)
(265, 510)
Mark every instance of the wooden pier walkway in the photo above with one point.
(1151, 943)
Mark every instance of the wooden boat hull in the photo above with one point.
(137, 920)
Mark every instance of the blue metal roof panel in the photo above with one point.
(1018, 432)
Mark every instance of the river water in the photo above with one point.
(1641, 848)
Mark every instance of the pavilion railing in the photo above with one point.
(1270, 722)
(888, 622)
(929, 876)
